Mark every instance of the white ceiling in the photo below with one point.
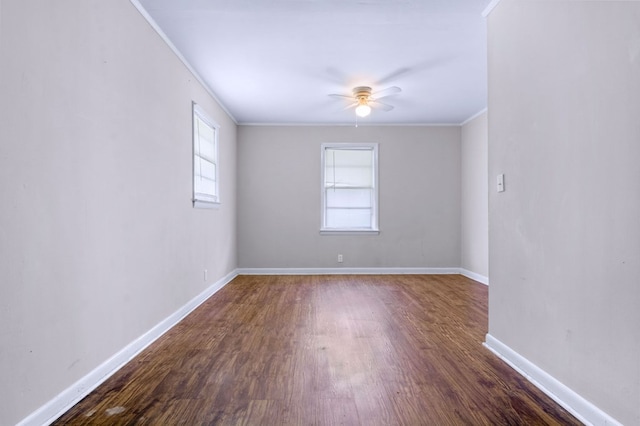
(276, 61)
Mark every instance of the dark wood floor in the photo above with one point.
(325, 350)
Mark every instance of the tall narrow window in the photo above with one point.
(205, 160)
(349, 188)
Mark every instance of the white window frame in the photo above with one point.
(324, 230)
(210, 199)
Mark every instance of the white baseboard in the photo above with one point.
(53, 409)
(582, 409)
(346, 271)
(477, 277)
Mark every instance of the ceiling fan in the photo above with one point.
(363, 99)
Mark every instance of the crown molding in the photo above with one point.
(182, 59)
(490, 8)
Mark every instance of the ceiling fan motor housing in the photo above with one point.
(362, 93)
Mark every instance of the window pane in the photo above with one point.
(349, 198)
(358, 177)
(204, 186)
(342, 157)
(205, 177)
(348, 168)
(205, 132)
(207, 169)
(348, 218)
(208, 151)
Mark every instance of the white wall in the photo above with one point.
(98, 239)
(564, 128)
(279, 198)
(475, 201)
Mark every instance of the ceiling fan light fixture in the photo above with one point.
(362, 95)
(362, 99)
(363, 110)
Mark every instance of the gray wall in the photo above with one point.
(279, 198)
(475, 198)
(564, 127)
(98, 239)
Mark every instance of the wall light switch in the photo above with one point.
(501, 182)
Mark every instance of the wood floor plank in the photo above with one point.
(325, 350)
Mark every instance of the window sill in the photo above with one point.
(200, 204)
(349, 232)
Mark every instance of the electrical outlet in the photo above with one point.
(205, 275)
(500, 183)
(340, 258)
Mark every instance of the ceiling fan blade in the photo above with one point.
(393, 76)
(353, 105)
(386, 92)
(381, 105)
(336, 95)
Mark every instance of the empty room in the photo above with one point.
(319, 212)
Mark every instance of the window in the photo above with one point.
(205, 160)
(349, 188)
